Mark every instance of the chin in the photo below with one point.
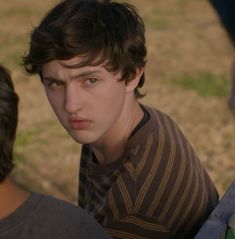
(82, 140)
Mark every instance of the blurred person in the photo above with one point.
(23, 214)
(226, 12)
(139, 176)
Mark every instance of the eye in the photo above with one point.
(91, 81)
(53, 84)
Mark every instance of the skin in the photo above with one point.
(93, 105)
(11, 198)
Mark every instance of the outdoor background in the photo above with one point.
(189, 58)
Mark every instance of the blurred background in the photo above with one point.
(188, 71)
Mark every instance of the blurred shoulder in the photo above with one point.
(68, 219)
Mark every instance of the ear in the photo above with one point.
(133, 83)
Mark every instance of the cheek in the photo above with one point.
(55, 101)
(111, 103)
(113, 93)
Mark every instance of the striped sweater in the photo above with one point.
(158, 189)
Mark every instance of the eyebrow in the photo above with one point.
(77, 76)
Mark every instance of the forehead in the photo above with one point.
(73, 68)
(70, 66)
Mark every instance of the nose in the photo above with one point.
(73, 99)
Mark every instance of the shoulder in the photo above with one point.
(160, 119)
(157, 138)
(60, 207)
(63, 211)
(68, 219)
(167, 135)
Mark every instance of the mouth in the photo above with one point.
(79, 124)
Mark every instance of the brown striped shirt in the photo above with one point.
(158, 189)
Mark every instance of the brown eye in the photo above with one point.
(91, 81)
(54, 84)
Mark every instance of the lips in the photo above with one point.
(79, 124)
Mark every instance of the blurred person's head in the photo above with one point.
(96, 31)
(8, 122)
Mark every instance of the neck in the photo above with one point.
(12, 197)
(112, 147)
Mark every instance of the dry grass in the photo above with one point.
(183, 37)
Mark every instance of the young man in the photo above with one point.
(26, 215)
(139, 176)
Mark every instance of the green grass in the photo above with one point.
(159, 18)
(18, 157)
(184, 3)
(19, 11)
(205, 84)
(12, 50)
(25, 138)
(41, 136)
(22, 138)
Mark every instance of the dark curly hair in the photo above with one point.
(8, 122)
(100, 31)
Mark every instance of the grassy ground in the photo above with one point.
(189, 57)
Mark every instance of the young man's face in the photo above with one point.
(90, 101)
